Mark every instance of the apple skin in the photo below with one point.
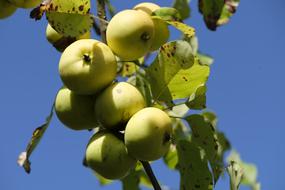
(148, 134)
(75, 111)
(107, 155)
(6, 9)
(117, 103)
(161, 31)
(59, 41)
(87, 66)
(27, 4)
(130, 34)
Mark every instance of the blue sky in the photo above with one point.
(245, 89)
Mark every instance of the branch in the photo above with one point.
(151, 175)
(101, 12)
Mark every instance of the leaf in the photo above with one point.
(183, 8)
(217, 13)
(110, 8)
(197, 100)
(193, 167)
(128, 69)
(249, 170)
(187, 30)
(171, 157)
(235, 172)
(167, 14)
(176, 73)
(103, 181)
(70, 18)
(23, 159)
(205, 59)
(131, 181)
(178, 111)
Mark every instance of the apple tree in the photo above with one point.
(135, 91)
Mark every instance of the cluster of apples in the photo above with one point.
(8, 7)
(129, 131)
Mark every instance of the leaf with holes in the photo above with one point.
(217, 13)
(193, 167)
(70, 18)
(183, 8)
(23, 159)
(176, 73)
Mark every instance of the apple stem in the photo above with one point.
(151, 175)
(101, 12)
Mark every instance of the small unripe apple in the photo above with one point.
(75, 111)
(87, 66)
(130, 34)
(25, 3)
(148, 134)
(6, 9)
(106, 154)
(117, 103)
(59, 41)
(161, 31)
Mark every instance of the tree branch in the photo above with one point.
(151, 175)
(101, 13)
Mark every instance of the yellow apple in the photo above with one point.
(161, 31)
(130, 34)
(87, 66)
(25, 3)
(106, 154)
(117, 103)
(148, 134)
(6, 9)
(75, 111)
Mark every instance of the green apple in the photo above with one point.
(148, 134)
(75, 111)
(117, 103)
(87, 66)
(130, 34)
(106, 154)
(161, 31)
(6, 9)
(59, 41)
(25, 3)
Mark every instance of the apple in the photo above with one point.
(59, 41)
(148, 134)
(87, 66)
(25, 3)
(6, 9)
(117, 103)
(161, 31)
(75, 111)
(130, 34)
(106, 154)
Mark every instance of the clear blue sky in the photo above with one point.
(246, 90)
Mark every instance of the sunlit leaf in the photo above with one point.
(103, 181)
(171, 157)
(205, 59)
(167, 14)
(235, 172)
(178, 111)
(24, 157)
(176, 73)
(128, 69)
(183, 8)
(184, 28)
(70, 18)
(193, 167)
(217, 12)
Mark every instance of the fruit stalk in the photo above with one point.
(101, 13)
(151, 175)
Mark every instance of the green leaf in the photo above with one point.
(167, 14)
(217, 12)
(205, 59)
(70, 18)
(131, 181)
(178, 111)
(103, 181)
(183, 8)
(184, 28)
(235, 172)
(249, 170)
(171, 157)
(176, 73)
(110, 8)
(193, 167)
(128, 69)
(197, 100)
(23, 159)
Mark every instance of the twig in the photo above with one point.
(101, 12)
(151, 175)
